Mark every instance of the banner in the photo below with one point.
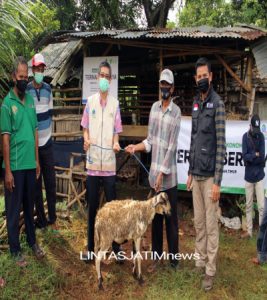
(234, 170)
(90, 72)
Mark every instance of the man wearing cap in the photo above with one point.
(253, 150)
(163, 130)
(43, 99)
(206, 161)
(21, 163)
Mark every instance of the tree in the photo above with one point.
(157, 12)
(221, 13)
(11, 12)
(66, 12)
(44, 22)
(111, 14)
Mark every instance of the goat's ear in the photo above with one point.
(156, 200)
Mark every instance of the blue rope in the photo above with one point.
(135, 156)
(110, 149)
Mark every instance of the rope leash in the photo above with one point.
(122, 150)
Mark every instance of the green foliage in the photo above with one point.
(11, 14)
(66, 12)
(221, 13)
(98, 14)
(45, 21)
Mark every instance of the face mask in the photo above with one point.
(38, 77)
(165, 93)
(103, 85)
(21, 86)
(203, 85)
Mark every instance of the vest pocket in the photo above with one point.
(208, 122)
(206, 161)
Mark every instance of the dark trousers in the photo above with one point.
(46, 160)
(171, 223)
(22, 195)
(93, 184)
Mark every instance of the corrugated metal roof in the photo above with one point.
(241, 32)
(56, 56)
(259, 50)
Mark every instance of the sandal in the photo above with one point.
(20, 260)
(38, 252)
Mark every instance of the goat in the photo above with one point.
(121, 220)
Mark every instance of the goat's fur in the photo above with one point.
(126, 220)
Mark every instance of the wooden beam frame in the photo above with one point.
(232, 73)
(183, 49)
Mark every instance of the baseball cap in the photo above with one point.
(255, 123)
(167, 75)
(38, 60)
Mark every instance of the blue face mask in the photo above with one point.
(103, 85)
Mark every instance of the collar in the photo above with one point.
(169, 106)
(13, 96)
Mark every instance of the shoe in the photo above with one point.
(207, 283)
(20, 260)
(246, 235)
(38, 252)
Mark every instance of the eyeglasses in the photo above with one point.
(103, 75)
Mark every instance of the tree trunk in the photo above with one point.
(157, 14)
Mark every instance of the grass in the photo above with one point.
(61, 275)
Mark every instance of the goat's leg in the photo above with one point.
(100, 255)
(138, 259)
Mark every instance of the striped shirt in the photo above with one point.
(220, 144)
(163, 130)
(43, 99)
(117, 130)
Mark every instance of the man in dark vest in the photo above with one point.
(207, 152)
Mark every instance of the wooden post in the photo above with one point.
(252, 101)
(249, 81)
(160, 65)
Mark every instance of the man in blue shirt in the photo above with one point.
(253, 149)
(43, 99)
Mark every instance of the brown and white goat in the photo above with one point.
(122, 220)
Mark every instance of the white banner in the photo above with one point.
(90, 71)
(233, 174)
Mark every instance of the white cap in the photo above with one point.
(167, 75)
(38, 60)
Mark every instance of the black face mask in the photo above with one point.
(203, 85)
(21, 86)
(165, 93)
